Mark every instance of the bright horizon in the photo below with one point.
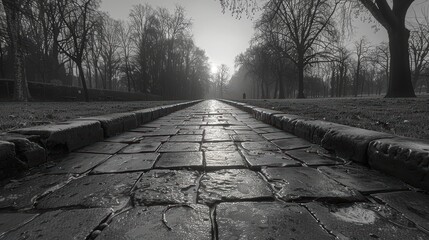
(223, 36)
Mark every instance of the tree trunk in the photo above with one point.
(281, 89)
(357, 78)
(82, 78)
(400, 84)
(300, 81)
(21, 92)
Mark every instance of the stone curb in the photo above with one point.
(404, 158)
(71, 135)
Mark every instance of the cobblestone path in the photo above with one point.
(210, 171)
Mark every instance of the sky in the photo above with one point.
(223, 36)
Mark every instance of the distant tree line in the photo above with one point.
(301, 49)
(72, 42)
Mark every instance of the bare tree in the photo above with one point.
(222, 76)
(419, 47)
(76, 15)
(307, 25)
(361, 50)
(14, 11)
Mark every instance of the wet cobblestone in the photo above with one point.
(210, 171)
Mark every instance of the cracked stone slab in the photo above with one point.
(363, 179)
(126, 137)
(11, 221)
(223, 159)
(175, 160)
(94, 191)
(71, 224)
(266, 220)
(233, 185)
(312, 158)
(78, 163)
(292, 143)
(166, 187)
(128, 163)
(219, 146)
(365, 221)
(145, 146)
(259, 159)
(161, 222)
(404, 158)
(66, 136)
(278, 136)
(179, 147)
(22, 193)
(27, 149)
(253, 137)
(103, 147)
(304, 184)
(162, 132)
(186, 138)
(263, 146)
(413, 205)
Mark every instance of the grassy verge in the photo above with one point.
(18, 115)
(404, 117)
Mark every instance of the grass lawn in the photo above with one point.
(404, 117)
(18, 115)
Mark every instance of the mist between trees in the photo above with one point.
(71, 42)
(302, 48)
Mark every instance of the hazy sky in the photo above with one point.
(222, 36)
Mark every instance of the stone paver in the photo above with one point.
(179, 147)
(307, 184)
(210, 171)
(266, 220)
(70, 224)
(233, 185)
(365, 221)
(78, 163)
(128, 163)
(107, 191)
(161, 222)
(11, 221)
(223, 160)
(174, 160)
(259, 159)
(145, 146)
(413, 205)
(22, 193)
(166, 187)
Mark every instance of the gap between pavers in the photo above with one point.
(17, 146)
(401, 157)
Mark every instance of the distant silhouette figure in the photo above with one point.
(244, 95)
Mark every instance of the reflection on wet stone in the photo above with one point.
(22, 193)
(161, 222)
(109, 190)
(142, 147)
(223, 159)
(263, 146)
(166, 187)
(78, 163)
(233, 185)
(266, 220)
(180, 160)
(304, 184)
(70, 224)
(219, 146)
(365, 221)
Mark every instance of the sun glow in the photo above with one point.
(213, 68)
